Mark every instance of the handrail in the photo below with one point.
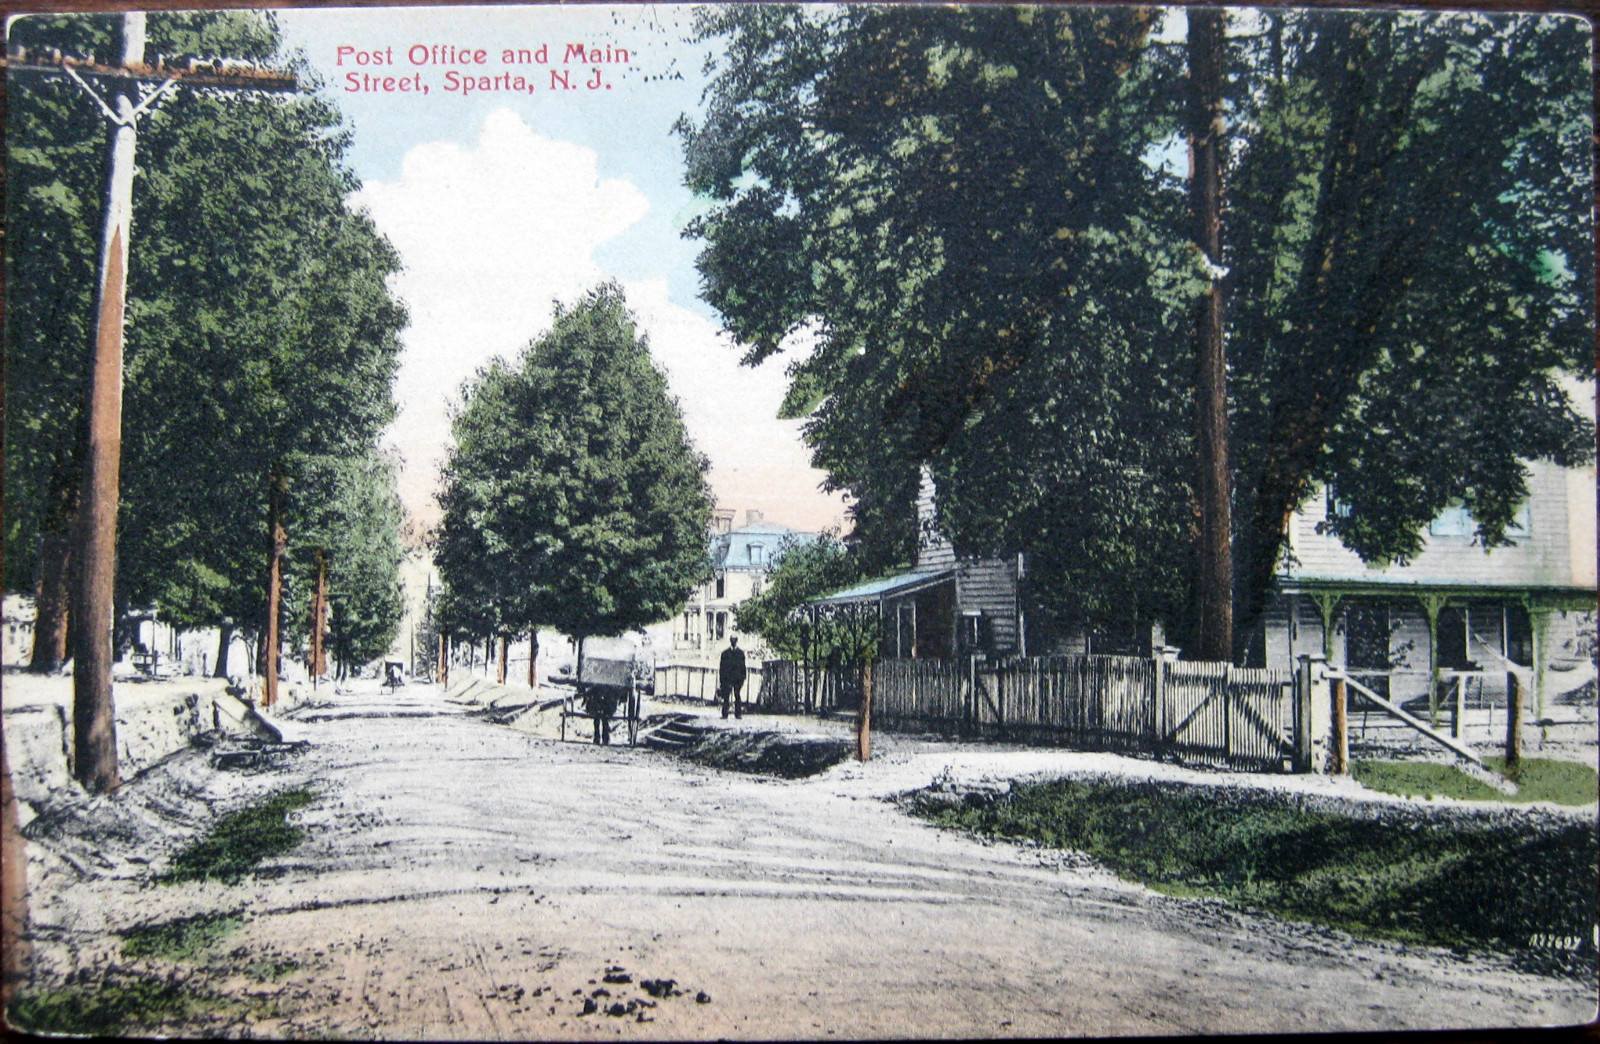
(1394, 709)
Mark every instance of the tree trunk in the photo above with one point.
(54, 596)
(505, 654)
(224, 643)
(1214, 555)
(533, 660)
(444, 661)
(319, 617)
(50, 606)
(125, 631)
(277, 542)
(1336, 324)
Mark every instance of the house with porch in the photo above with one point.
(1450, 625)
(943, 607)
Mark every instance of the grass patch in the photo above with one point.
(178, 940)
(121, 1003)
(1546, 779)
(1538, 779)
(1458, 884)
(241, 840)
(271, 970)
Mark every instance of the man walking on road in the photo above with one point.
(730, 678)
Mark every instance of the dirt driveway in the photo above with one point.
(464, 880)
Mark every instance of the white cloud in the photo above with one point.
(490, 236)
(757, 461)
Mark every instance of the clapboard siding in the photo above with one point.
(1546, 556)
(989, 585)
(933, 550)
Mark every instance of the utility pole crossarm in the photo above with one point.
(194, 73)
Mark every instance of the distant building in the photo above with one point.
(742, 559)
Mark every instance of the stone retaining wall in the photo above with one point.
(153, 721)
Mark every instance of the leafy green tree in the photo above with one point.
(969, 206)
(260, 331)
(957, 201)
(357, 525)
(1410, 273)
(805, 569)
(573, 498)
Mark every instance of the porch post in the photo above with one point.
(1539, 628)
(1431, 605)
(1327, 605)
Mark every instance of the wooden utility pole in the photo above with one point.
(94, 728)
(277, 544)
(95, 527)
(1214, 552)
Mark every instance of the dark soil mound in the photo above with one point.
(768, 753)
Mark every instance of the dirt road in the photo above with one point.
(463, 880)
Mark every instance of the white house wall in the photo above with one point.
(1558, 550)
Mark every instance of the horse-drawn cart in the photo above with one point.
(605, 688)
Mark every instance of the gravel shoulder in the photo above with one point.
(462, 880)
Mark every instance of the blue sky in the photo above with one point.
(501, 201)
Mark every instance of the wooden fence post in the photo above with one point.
(1513, 722)
(971, 703)
(1458, 706)
(864, 716)
(999, 700)
(1158, 697)
(1227, 711)
(1309, 723)
(1339, 762)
